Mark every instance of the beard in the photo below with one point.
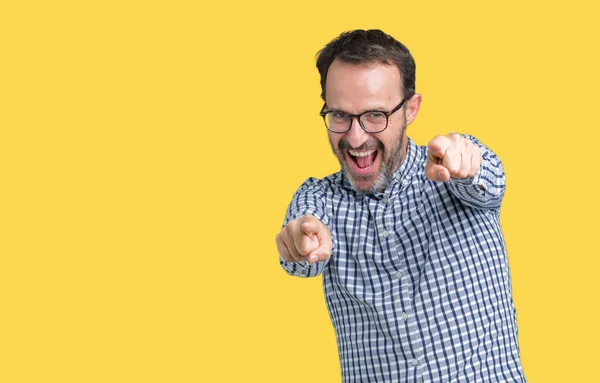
(391, 159)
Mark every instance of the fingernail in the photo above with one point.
(313, 258)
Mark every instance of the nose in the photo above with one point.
(356, 136)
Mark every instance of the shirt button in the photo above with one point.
(398, 274)
(404, 316)
(385, 233)
(405, 182)
(414, 362)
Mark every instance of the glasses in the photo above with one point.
(372, 121)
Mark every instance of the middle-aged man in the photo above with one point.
(408, 238)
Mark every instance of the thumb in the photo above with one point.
(437, 172)
(323, 251)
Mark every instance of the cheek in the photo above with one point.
(388, 143)
(392, 142)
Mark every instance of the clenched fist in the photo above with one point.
(304, 238)
(452, 156)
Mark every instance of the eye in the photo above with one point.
(338, 115)
(375, 117)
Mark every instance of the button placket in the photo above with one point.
(388, 222)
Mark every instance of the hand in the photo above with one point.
(304, 238)
(452, 156)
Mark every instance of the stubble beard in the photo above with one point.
(389, 164)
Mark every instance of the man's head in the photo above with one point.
(368, 71)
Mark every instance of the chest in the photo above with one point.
(381, 242)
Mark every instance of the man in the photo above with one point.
(407, 238)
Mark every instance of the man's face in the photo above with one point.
(367, 159)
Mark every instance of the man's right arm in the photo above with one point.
(305, 241)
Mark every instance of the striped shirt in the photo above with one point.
(418, 285)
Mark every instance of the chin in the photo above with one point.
(368, 185)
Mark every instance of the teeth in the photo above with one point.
(361, 154)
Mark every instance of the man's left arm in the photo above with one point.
(474, 173)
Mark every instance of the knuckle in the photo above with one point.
(293, 223)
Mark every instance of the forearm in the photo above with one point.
(309, 200)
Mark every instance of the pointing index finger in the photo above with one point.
(309, 227)
(323, 251)
(438, 147)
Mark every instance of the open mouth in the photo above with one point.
(363, 161)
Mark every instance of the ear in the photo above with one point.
(412, 108)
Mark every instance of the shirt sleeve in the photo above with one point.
(486, 189)
(309, 199)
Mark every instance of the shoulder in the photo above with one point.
(333, 181)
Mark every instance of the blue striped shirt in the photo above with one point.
(418, 285)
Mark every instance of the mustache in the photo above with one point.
(343, 145)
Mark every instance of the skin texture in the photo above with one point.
(355, 89)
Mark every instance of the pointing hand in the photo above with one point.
(452, 156)
(304, 238)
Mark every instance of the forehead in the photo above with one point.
(357, 85)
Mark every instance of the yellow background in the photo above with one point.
(149, 150)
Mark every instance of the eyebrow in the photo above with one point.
(373, 108)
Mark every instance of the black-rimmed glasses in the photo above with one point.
(372, 121)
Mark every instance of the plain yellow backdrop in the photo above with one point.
(149, 150)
